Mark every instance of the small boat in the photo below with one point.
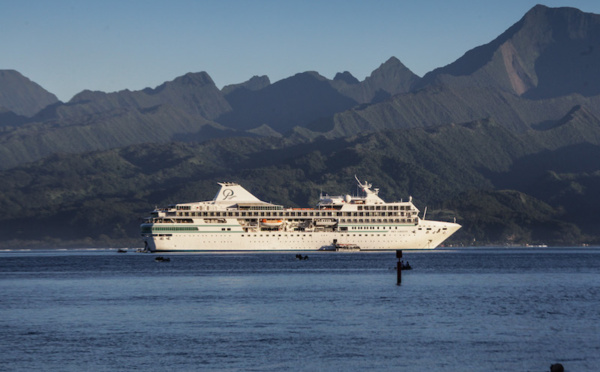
(346, 247)
(271, 223)
(162, 259)
(122, 250)
(325, 222)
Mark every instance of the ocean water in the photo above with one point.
(478, 309)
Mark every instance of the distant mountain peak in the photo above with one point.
(346, 77)
(391, 78)
(21, 95)
(392, 62)
(393, 68)
(86, 95)
(549, 52)
(311, 74)
(194, 78)
(255, 83)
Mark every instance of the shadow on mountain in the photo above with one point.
(565, 68)
(525, 171)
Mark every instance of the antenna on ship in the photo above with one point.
(424, 213)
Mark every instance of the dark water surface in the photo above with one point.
(457, 310)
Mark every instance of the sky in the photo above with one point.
(67, 46)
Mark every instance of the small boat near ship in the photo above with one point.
(346, 247)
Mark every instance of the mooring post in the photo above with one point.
(399, 267)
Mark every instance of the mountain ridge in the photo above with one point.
(514, 63)
(21, 95)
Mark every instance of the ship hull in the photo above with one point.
(426, 235)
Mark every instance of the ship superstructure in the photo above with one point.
(236, 220)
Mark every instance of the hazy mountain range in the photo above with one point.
(506, 138)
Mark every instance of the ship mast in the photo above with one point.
(371, 195)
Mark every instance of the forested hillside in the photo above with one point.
(98, 198)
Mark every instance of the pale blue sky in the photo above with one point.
(67, 46)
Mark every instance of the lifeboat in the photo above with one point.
(271, 223)
(325, 222)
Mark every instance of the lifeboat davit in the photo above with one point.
(271, 223)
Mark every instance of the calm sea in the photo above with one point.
(457, 310)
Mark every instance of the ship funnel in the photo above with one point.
(232, 192)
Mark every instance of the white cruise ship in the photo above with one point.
(235, 220)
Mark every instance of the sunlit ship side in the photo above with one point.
(235, 220)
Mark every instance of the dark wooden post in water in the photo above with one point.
(399, 268)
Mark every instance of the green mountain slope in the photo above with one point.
(97, 198)
(110, 129)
